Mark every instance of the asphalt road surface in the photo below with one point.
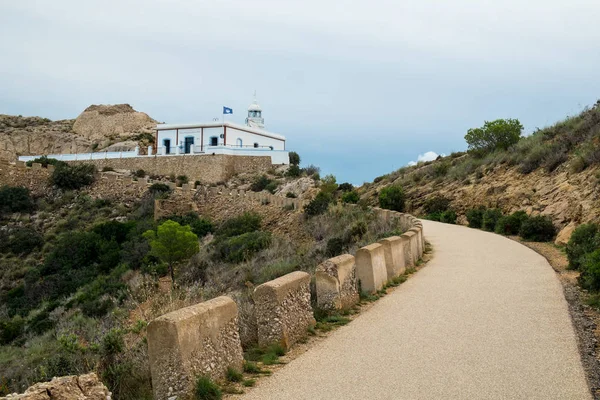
(485, 319)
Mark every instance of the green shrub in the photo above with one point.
(107, 169)
(494, 135)
(436, 204)
(206, 389)
(247, 222)
(319, 204)
(73, 177)
(140, 173)
(392, 198)
(350, 197)
(233, 375)
(45, 161)
(15, 199)
(537, 229)
(11, 329)
(436, 216)
(490, 219)
(114, 230)
(448, 217)
(328, 184)
(260, 183)
(158, 188)
(511, 224)
(590, 271)
(20, 240)
(440, 169)
(312, 170)
(585, 239)
(243, 247)
(346, 187)
(475, 217)
(272, 187)
(290, 195)
(335, 247)
(200, 226)
(293, 171)
(294, 158)
(182, 179)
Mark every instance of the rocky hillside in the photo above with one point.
(97, 128)
(553, 172)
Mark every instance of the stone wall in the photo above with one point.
(336, 283)
(198, 340)
(84, 387)
(283, 310)
(203, 168)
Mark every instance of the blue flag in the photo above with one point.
(227, 110)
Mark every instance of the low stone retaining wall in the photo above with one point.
(371, 269)
(283, 310)
(336, 283)
(198, 340)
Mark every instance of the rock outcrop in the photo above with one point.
(99, 128)
(83, 387)
(101, 122)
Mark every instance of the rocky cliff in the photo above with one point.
(97, 128)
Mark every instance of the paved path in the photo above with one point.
(486, 319)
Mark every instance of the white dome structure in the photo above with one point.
(255, 119)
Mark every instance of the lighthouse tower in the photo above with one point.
(255, 119)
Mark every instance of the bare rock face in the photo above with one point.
(100, 122)
(34, 135)
(565, 234)
(84, 387)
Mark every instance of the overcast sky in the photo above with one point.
(358, 88)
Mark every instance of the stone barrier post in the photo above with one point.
(21, 164)
(410, 248)
(36, 165)
(198, 340)
(283, 310)
(370, 268)
(336, 283)
(186, 187)
(393, 250)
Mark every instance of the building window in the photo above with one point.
(214, 141)
(256, 145)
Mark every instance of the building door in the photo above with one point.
(167, 144)
(214, 141)
(189, 142)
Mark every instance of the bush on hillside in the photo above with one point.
(15, 199)
(392, 198)
(312, 170)
(242, 247)
(490, 219)
(538, 229)
(585, 239)
(20, 240)
(140, 173)
(319, 204)
(436, 204)
(159, 188)
(293, 171)
(590, 271)
(73, 177)
(200, 226)
(494, 135)
(260, 183)
(291, 195)
(328, 184)
(350, 197)
(448, 217)
(335, 247)
(45, 161)
(272, 187)
(346, 187)
(247, 222)
(511, 224)
(475, 217)
(294, 159)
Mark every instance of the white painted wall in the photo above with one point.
(249, 138)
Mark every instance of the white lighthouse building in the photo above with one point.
(197, 139)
